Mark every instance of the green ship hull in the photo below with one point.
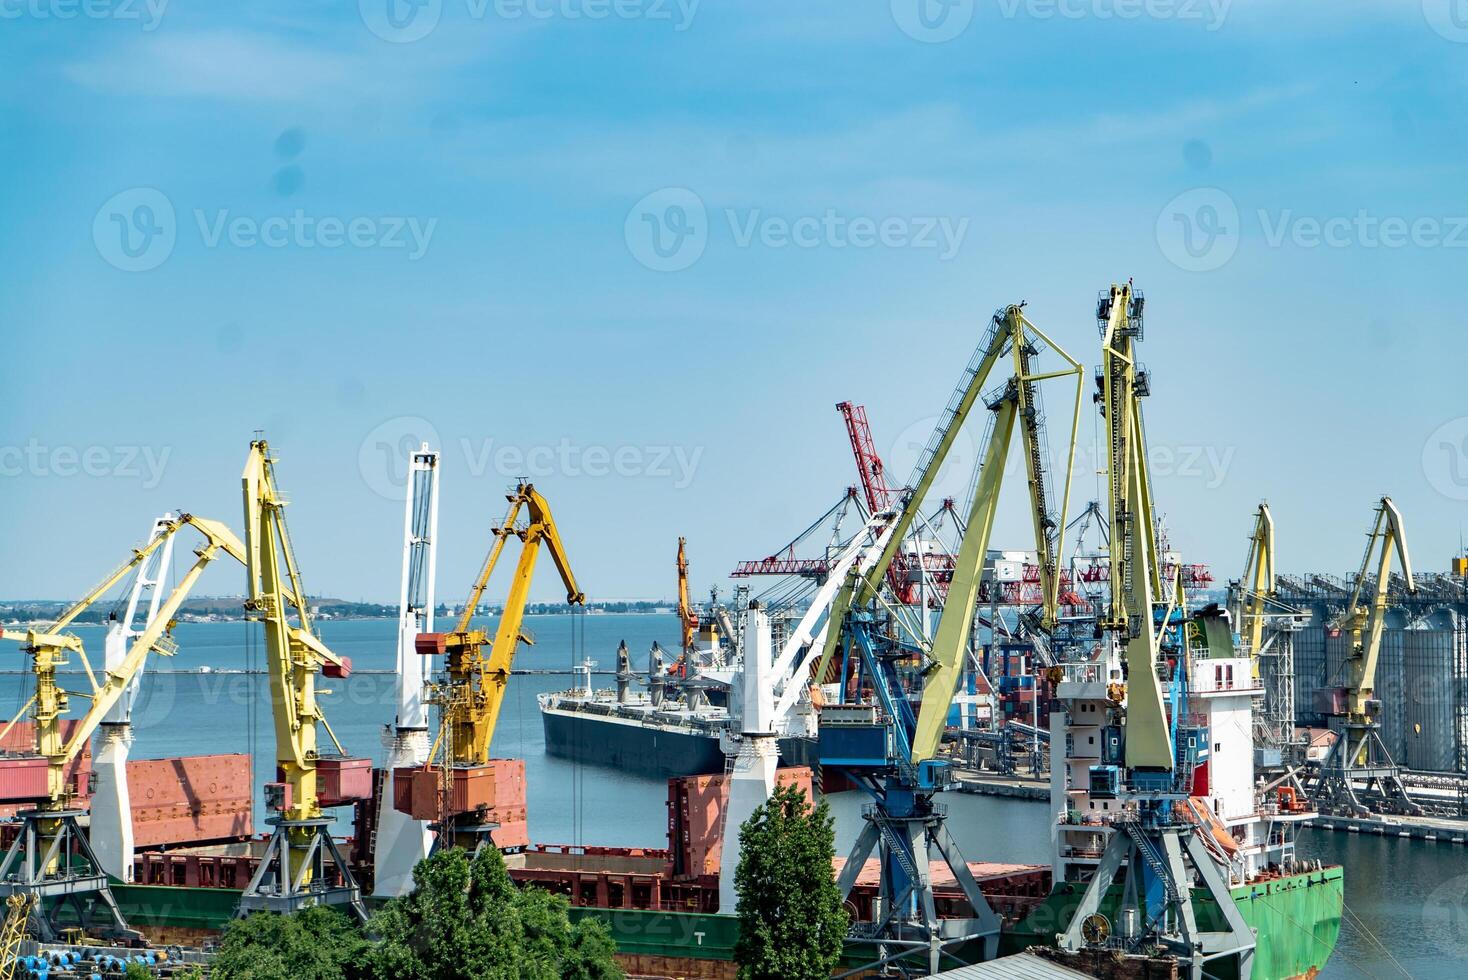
(1296, 920)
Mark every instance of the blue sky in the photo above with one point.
(352, 236)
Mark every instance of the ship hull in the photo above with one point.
(1297, 920)
(653, 750)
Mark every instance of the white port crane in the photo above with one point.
(400, 841)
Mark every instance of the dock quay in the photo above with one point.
(995, 784)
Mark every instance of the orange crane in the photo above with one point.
(687, 615)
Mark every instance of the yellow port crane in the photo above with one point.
(687, 615)
(459, 791)
(295, 871)
(51, 860)
(1256, 588)
(1358, 775)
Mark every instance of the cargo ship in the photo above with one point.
(678, 725)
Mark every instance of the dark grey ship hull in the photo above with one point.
(660, 751)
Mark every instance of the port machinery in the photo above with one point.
(1359, 757)
(51, 862)
(457, 792)
(398, 841)
(1154, 836)
(302, 865)
(877, 739)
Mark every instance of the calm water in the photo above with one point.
(1412, 896)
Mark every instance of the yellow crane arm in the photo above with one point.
(294, 654)
(863, 588)
(1258, 580)
(687, 617)
(45, 647)
(1368, 620)
(477, 684)
(476, 593)
(1018, 408)
(218, 537)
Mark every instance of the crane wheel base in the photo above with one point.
(279, 887)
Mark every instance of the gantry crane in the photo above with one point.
(881, 742)
(1359, 756)
(302, 865)
(458, 791)
(400, 842)
(51, 859)
(1150, 839)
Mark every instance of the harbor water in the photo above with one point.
(1407, 900)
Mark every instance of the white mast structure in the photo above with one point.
(112, 817)
(773, 688)
(401, 841)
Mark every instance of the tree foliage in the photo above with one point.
(466, 920)
(792, 923)
(314, 944)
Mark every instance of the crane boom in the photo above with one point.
(294, 654)
(687, 615)
(49, 647)
(471, 697)
(1136, 575)
(1366, 617)
(1016, 407)
(1258, 583)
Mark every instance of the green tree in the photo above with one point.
(792, 923)
(314, 944)
(466, 920)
